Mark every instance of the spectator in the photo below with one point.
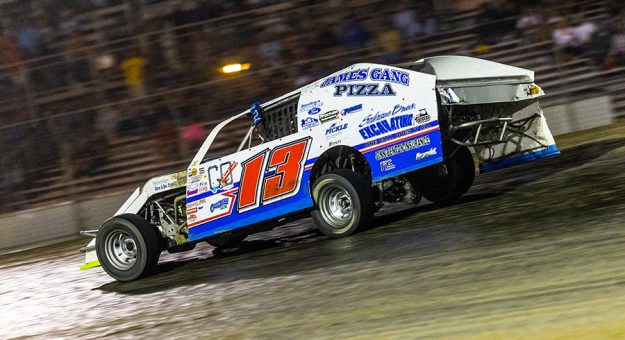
(167, 139)
(11, 181)
(617, 47)
(528, 24)
(79, 65)
(598, 49)
(495, 22)
(193, 134)
(167, 77)
(68, 22)
(134, 71)
(12, 55)
(107, 122)
(353, 35)
(564, 40)
(427, 21)
(303, 76)
(270, 47)
(28, 38)
(584, 32)
(406, 21)
(389, 39)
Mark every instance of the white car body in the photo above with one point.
(389, 114)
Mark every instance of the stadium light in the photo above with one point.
(234, 68)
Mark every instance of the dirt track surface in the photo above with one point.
(536, 251)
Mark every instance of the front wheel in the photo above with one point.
(127, 247)
(343, 203)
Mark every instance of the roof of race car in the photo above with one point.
(447, 69)
(456, 68)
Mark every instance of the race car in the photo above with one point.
(336, 150)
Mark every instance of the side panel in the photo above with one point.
(387, 113)
(405, 151)
(248, 187)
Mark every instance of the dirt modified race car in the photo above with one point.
(337, 149)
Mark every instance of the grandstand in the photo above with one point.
(43, 112)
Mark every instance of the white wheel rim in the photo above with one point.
(335, 205)
(121, 250)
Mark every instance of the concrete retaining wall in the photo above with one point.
(57, 222)
(31, 228)
(580, 115)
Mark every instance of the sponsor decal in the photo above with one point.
(421, 155)
(396, 76)
(387, 165)
(402, 147)
(221, 187)
(398, 108)
(425, 126)
(191, 211)
(334, 142)
(393, 136)
(328, 116)
(355, 75)
(257, 113)
(163, 184)
(422, 117)
(390, 75)
(309, 122)
(334, 129)
(193, 172)
(219, 176)
(385, 126)
(221, 204)
(203, 190)
(191, 217)
(351, 90)
(351, 110)
(192, 189)
(193, 204)
(226, 175)
(196, 204)
(312, 108)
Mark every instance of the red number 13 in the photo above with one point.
(286, 163)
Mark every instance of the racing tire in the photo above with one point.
(343, 203)
(128, 247)
(447, 181)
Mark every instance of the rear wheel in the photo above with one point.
(447, 181)
(343, 203)
(127, 247)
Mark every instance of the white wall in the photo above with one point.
(56, 222)
(580, 115)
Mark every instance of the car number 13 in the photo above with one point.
(269, 179)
